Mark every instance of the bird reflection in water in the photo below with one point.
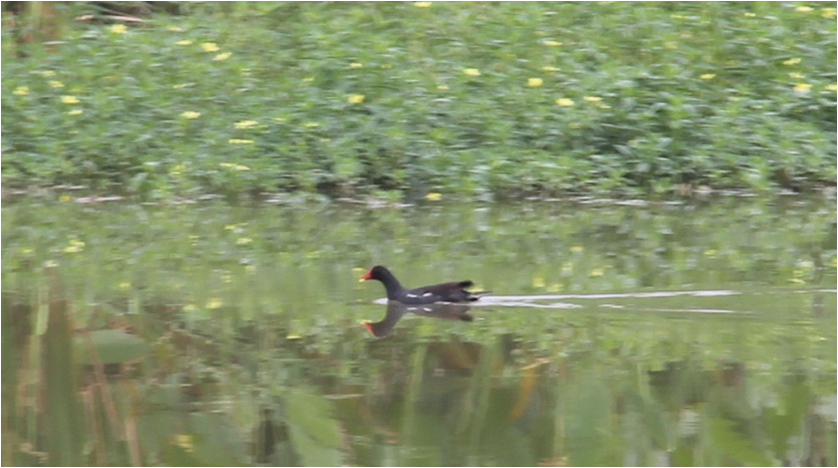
(397, 310)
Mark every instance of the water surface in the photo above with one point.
(618, 334)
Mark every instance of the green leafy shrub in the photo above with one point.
(478, 100)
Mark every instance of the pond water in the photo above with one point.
(628, 333)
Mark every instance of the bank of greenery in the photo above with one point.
(480, 100)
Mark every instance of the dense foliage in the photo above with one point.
(478, 100)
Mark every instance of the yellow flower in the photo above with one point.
(552, 43)
(238, 141)
(356, 99)
(190, 115)
(21, 91)
(243, 240)
(174, 28)
(708, 76)
(47, 73)
(75, 112)
(792, 61)
(210, 47)
(711, 253)
(356, 65)
(551, 69)
(577, 249)
(803, 9)
(596, 272)
(471, 72)
(670, 45)
(184, 42)
(246, 124)
(535, 82)
(442, 87)
(215, 303)
(222, 56)
(565, 102)
(831, 87)
(184, 441)
(422, 4)
(65, 198)
(69, 100)
(56, 84)
(538, 282)
(119, 29)
(802, 88)
(125, 285)
(311, 125)
(75, 246)
(592, 98)
(749, 14)
(797, 76)
(828, 13)
(236, 167)
(433, 196)
(177, 169)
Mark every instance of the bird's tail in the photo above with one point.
(477, 295)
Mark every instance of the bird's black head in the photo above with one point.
(377, 272)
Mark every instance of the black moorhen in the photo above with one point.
(445, 292)
(397, 310)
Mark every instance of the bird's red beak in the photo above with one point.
(366, 277)
(368, 326)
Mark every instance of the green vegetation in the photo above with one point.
(480, 100)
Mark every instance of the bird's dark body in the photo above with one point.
(443, 292)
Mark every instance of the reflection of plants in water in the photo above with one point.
(193, 255)
(96, 407)
(42, 356)
(240, 333)
(207, 394)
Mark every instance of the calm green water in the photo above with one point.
(617, 334)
